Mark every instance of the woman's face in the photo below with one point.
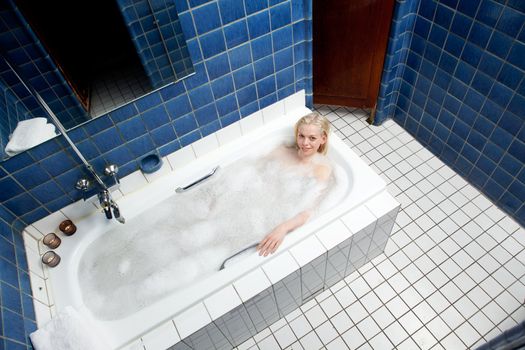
(309, 139)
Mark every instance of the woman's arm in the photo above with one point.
(273, 240)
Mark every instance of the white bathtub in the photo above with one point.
(187, 310)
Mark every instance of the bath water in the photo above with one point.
(189, 235)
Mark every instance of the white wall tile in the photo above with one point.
(161, 337)
(205, 145)
(229, 133)
(38, 286)
(42, 313)
(358, 219)
(382, 204)
(78, 210)
(251, 284)
(191, 320)
(297, 100)
(165, 169)
(222, 302)
(273, 111)
(181, 157)
(307, 250)
(333, 234)
(279, 267)
(132, 182)
(251, 122)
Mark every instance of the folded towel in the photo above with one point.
(29, 133)
(67, 331)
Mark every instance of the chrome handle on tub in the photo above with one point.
(223, 265)
(202, 179)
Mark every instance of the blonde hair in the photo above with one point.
(319, 121)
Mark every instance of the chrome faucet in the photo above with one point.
(109, 206)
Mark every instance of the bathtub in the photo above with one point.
(218, 309)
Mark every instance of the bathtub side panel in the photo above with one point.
(382, 233)
(288, 293)
(262, 309)
(313, 277)
(359, 248)
(206, 338)
(337, 260)
(236, 325)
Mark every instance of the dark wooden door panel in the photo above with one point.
(349, 45)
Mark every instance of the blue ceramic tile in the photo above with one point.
(255, 5)
(179, 106)
(422, 27)
(123, 113)
(58, 204)
(480, 34)
(437, 94)
(476, 140)
(51, 146)
(13, 326)
(492, 111)
(442, 79)
(7, 250)
(9, 188)
(218, 66)
(282, 38)
(427, 69)
(171, 91)
(222, 86)
(263, 67)
(161, 136)
(148, 101)
(283, 59)
(132, 128)
(47, 192)
(259, 24)
(261, 47)
(141, 145)
(468, 8)
(454, 45)
(226, 105)
(517, 4)
(500, 94)
(236, 33)
(482, 83)
(499, 44)
(493, 189)
(120, 155)
(249, 109)
(471, 54)
(474, 99)
(461, 25)
(212, 43)
(240, 56)
(510, 164)
(206, 114)
(190, 138)
(243, 77)
(210, 128)
(169, 148)
(451, 104)
(285, 77)
(201, 96)
(510, 21)
(443, 16)
(510, 202)
(28, 308)
(494, 152)
(483, 126)
(268, 100)
(490, 64)
(280, 15)
(105, 141)
(194, 50)
(464, 72)
(194, 3)
(517, 105)
(467, 114)
(17, 162)
(517, 189)
(231, 10)
(185, 124)
(207, 18)
(299, 31)
(246, 95)
(8, 272)
(230, 118)
(21, 204)
(188, 27)
(510, 76)
(266, 86)
(489, 12)
(98, 125)
(510, 123)
(517, 54)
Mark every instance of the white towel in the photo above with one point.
(29, 133)
(67, 331)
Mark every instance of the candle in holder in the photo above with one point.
(50, 258)
(51, 240)
(67, 227)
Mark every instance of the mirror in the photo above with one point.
(101, 56)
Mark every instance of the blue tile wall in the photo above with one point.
(259, 54)
(461, 91)
(157, 35)
(20, 46)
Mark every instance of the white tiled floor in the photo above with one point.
(453, 273)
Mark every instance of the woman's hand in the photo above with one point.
(272, 241)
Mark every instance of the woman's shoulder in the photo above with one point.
(322, 171)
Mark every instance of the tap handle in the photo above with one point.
(112, 170)
(83, 185)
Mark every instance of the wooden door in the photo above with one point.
(349, 45)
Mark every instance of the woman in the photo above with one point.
(311, 138)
